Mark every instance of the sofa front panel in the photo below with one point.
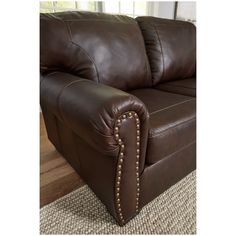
(105, 48)
(170, 46)
(158, 177)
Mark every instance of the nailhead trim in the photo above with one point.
(127, 115)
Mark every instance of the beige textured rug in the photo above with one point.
(80, 212)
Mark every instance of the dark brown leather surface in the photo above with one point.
(89, 163)
(184, 87)
(66, 96)
(170, 46)
(128, 146)
(160, 176)
(172, 123)
(99, 170)
(105, 48)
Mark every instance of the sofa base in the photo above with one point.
(98, 171)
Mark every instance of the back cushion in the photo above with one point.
(105, 48)
(171, 48)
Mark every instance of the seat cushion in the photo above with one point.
(184, 87)
(172, 125)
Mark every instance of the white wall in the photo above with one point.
(187, 11)
(161, 9)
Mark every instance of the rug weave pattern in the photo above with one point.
(81, 212)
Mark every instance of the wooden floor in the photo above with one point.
(57, 177)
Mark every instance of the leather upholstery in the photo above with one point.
(158, 177)
(170, 46)
(95, 46)
(67, 96)
(172, 123)
(184, 86)
(127, 135)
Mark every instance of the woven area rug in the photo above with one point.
(81, 212)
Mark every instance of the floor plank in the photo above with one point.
(57, 177)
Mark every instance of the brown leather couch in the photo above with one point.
(118, 100)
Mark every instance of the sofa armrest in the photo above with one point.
(92, 110)
(110, 121)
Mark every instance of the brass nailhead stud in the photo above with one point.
(129, 114)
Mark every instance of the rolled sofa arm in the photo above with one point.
(90, 109)
(112, 122)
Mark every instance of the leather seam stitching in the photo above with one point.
(166, 108)
(60, 93)
(47, 76)
(174, 126)
(163, 62)
(164, 158)
(179, 86)
(81, 48)
(148, 72)
(107, 21)
(61, 113)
